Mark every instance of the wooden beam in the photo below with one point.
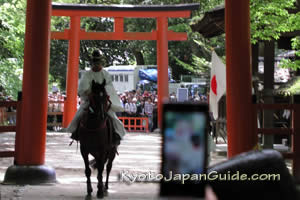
(276, 131)
(4, 129)
(56, 35)
(8, 103)
(119, 25)
(134, 14)
(6, 154)
(171, 35)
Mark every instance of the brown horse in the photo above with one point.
(95, 137)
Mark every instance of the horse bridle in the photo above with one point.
(103, 110)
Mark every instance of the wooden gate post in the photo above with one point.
(296, 138)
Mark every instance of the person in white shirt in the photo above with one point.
(133, 108)
(84, 89)
(127, 107)
(149, 112)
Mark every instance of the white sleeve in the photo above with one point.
(114, 98)
(107, 77)
(84, 85)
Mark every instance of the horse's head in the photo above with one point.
(99, 89)
(99, 100)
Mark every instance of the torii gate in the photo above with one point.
(31, 130)
(118, 12)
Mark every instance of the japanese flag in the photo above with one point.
(217, 83)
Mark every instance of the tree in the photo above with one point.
(12, 32)
(182, 57)
(269, 19)
(193, 57)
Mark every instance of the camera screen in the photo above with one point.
(184, 143)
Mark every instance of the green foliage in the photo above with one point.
(193, 56)
(292, 63)
(58, 62)
(182, 54)
(201, 57)
(10, 76)
(294, 89)
(12, 31)
(291, 88)
(271, 18)
(12, 26)
(296, 45)
(199, 66)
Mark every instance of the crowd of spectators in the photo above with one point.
(5, 97)
(200, 98)
(55, 102)
(140, 104)
(144, 104)
(136, 104)
(55, 109)
(7, 114)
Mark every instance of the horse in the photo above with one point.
(95, 137)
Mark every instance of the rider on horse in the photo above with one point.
(84, 89)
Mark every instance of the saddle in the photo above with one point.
(114, 137)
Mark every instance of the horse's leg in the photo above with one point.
(111, 157)
(100, 166)
(87, 170)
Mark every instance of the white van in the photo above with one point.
(126, 77)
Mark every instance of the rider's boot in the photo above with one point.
(116, 139)
(115, 136)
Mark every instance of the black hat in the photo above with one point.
(98, 57)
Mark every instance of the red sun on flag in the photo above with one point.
(213, 85)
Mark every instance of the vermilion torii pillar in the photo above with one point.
(30, 142)
(240, 132)
(162, 35)
(162, 53)
(35, 83)
(72, 81)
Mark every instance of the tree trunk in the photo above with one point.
(268, 140)
(139, 57)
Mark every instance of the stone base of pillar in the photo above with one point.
(29, 175)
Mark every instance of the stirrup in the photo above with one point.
(71, 142)
(75, 135)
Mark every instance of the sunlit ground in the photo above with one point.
(139, 152)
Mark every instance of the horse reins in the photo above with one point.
(108, 106)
